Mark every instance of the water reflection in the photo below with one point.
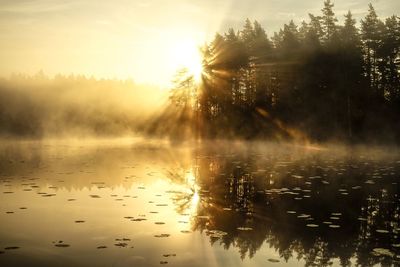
(210, 204)
(313, 205)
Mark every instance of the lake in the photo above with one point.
(137, 202)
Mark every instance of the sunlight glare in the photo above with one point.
(191, 182)
(186, 54)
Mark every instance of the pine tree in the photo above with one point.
(328, 21)
(303, 31)
(387, 53)
(259, 32)
(247, 34)
(316, 26)
(371, 28)
(277, 39)
(290, 40)
(261, 44)
(349, 32)
(351, 57)
(231, 35)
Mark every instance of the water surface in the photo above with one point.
(136, 203)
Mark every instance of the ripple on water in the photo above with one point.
(61, 245)
(11, 248)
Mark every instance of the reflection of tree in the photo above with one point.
(182, 199)
(248, 197)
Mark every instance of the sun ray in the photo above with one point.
(186, 54)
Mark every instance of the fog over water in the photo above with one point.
(39, 106)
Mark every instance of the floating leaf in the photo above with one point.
(162, 235)
(244, 228)
(139, 219)
(121, 244)
(382, 252)
(382, 231)
(303, 216)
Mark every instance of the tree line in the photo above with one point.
(319, 80)
(39, 106)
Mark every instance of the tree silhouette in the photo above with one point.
(321, 80)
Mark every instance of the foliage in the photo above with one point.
(320, 80)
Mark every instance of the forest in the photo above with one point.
(319, 81)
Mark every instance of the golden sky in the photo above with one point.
(145, 40)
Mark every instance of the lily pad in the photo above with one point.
(382, 231)
(244, 228)
(382, 252)
(162, 235)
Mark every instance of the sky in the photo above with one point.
(143, 40)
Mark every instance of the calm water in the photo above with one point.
(135, 203)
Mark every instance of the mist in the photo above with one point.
(72, 106)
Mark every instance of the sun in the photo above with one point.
(186, 54)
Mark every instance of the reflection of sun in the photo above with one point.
(191, 181)
(186, 54)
